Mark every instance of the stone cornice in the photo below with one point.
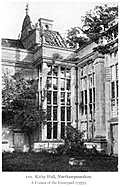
(60, 48)
(16, 61)
(17, 49)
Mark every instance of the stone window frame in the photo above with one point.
(59, 104)
(85, 90)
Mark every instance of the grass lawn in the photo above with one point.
(55, 163)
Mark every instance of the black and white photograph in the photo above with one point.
(60, 84)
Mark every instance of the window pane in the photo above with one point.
(68, 73)
(90, 108)
(55, 113)
(117, 87)
(55, 130)
(68, 114)
(113, 89)
(62, 82)
(90, 95)
(62, 130)
(117, 71)
(68, 99)
(85, 109)
(62, 72)
(49, 97)
(94, 108)
(82, 103)
(48, 112)
(68, 84)
(55, 83)
(62, 113)
(55, 71)
(85, 96)
(62, 98)
(93, 79)
(55, 98)
(94, 95)
(49, 130)
(49, 83)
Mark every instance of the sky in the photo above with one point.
(65, 13)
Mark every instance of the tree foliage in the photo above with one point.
(74, 37)
(93, 23)
(19, 101)
(98, 20)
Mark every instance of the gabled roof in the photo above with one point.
(11, 43)
(53, 38)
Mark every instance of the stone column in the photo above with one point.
(100, 130)
(100, 127)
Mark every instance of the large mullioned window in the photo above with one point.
(65, 98)
(58, 99)
(87, 100)
(87, 94)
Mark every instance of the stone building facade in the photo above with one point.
(75, 87)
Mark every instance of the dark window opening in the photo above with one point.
(85, 96)
(49, 83)
(49, 97)
(85, 109)
(62, 113)
(113, 90)
(68, 98)
(90, 108)
(90, 95)
(62, 130)
(94, 95)
(48, 112)
(62, 98)
(54, 98)
(49, 130)
(55, 130)
(68, 84)
(82, 103)
(117, 88)
(93, 107)
(54, 113)
(68, 114)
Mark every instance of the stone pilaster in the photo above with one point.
(100, 130)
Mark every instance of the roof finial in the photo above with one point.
(27, 8)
